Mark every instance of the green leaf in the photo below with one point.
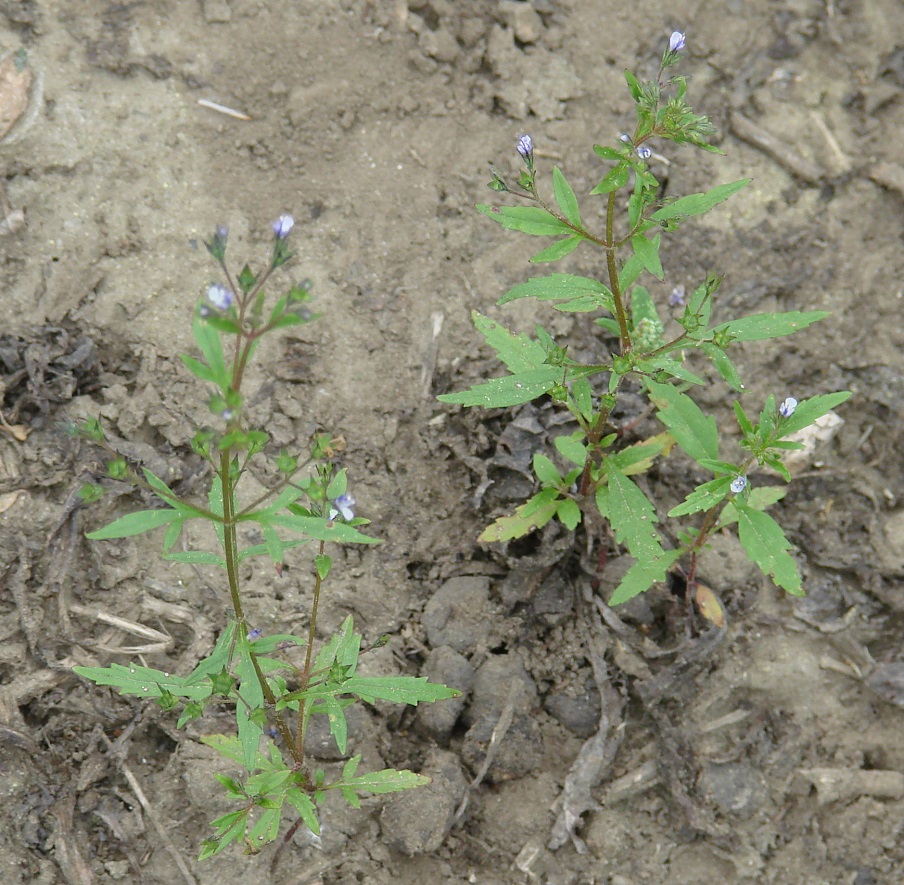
(217, 661)
(317, 527)
(705, 496)
(630, 271)
(518, 352)
(210, 345)
(769, 325)
(607, 153)
(695, 432)
(322, 563)
(724, 366)
(697, 204)
(134, 524)
(572, 447)
(809, 410)
(647, 252)
(201, 370)
(569, 514)
(508, 391)
(565, 197)
(261, 549)
(387, 781)
(643, 575)
(267, 827)
(250, 730)
(532, 515)
(563, 287)
(337, 722)
(639, 457)
(632, 516)
(582, 395)
(305, 807)
(410, 690)
(765, 542)
(634, 85)
(557, 250)
(229, 827)
(546, 471)
(528, 219)
(195, 557)
(143, 682)
(226, 745)
(615, 178)
(173, 531)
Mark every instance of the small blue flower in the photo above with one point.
(283, 225)
(677, 41)
(786, 409)
(525, 147)
(644, 152)
(676, 296)
(343, 506)
(256, 633)
(219, 296)
(738, 484)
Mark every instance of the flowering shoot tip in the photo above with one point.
(677, 41)
(786, 409)
(219, 296)
(283, 225)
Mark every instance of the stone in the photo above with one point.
(457, 616)
(440, 44)
(519, 750)
(496, 677)
(417, 821)
(448, 667)
(522, 18)
(580, 714)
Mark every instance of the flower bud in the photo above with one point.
(525, 147)
(677, 41)
(283, 226)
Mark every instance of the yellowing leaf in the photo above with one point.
(709, 605)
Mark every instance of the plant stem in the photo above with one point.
(306, 672)
(624, 334)
(230, 550)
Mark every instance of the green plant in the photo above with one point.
(595, 485)
(273, 696)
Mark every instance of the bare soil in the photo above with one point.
(769, 752)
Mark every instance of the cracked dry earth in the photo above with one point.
(769, 752)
